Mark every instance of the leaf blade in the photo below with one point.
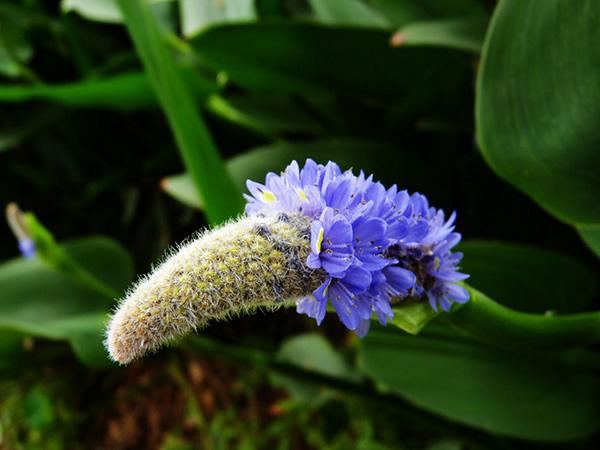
(198, 151)
(538, 100)
(467, 383)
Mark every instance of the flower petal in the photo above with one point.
(363, 327)
(458, 293)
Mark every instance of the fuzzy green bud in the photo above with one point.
(255, 261)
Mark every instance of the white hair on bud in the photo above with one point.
(255, 261)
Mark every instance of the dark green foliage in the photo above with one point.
(125, 131)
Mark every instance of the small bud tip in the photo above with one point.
(398, 39)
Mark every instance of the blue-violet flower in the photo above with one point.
(376, 245)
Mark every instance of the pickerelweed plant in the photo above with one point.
(316, 236)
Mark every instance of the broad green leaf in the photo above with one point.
(517, 396)
(96, 10)
(112, 265)
(527, 278)
(108, 11)
(86, 334)
(348, 12)
(124, 92)
(401, 13)
(538, 103)
(447, 444)
(313, 353)
(348, 153)
(197, 149)
(591, 237)
(198, 14)
(182, 188)
(293, 58)
(459, 34)
(45, 303)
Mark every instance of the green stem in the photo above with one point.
(55, 257)
(502, 327)
(222, 199)
(179, 45)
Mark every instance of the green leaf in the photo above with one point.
(125, 92)
(591, 237)
(268, 115)
(96, 10)
(348, 12)
(57, 258)
(313, 353)
(293, 58)
(527, 278)
(401, 13)
(522, 397)
(45, 303)
(181, 187)
(198, 151)
(108, 11)
(86, 334)
(458, 34)
(199, 14)
(538, 103)
(348, 153)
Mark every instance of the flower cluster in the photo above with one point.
(376, 245)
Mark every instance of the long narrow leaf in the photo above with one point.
(125, 92)
(201, 158)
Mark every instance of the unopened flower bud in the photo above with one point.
(255, 261)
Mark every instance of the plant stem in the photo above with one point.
(55, 257)
(505, 328)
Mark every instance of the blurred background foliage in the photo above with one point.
(128, 125)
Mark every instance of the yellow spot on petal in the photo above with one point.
(268, 197)
(301, 194)
(320, 241)
(437, 263)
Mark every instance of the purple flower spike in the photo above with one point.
(375, 245)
